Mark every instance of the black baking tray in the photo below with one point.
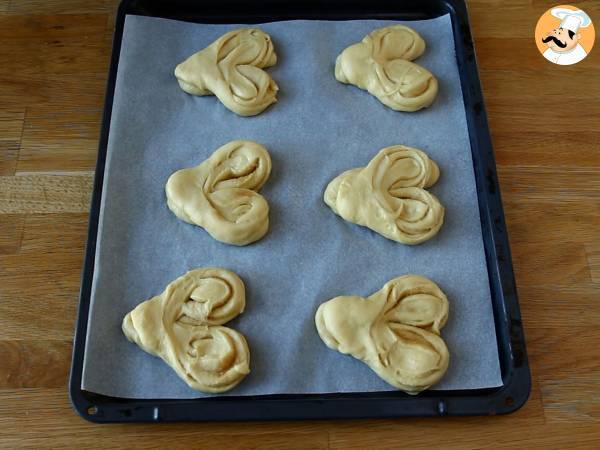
(511, 340)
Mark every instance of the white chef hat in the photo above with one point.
(571, 20)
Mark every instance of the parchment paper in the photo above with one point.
(318, 128)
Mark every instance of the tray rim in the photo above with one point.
(513, 357)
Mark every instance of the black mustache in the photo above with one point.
(556, 41)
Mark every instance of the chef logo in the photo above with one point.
(564, 35)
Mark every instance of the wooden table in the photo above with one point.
(545, 122)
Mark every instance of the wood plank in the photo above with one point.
(23, 408)
(58, 91)
(36, 194)
(554, 221)
(549, 306)
(110, 26)
(35, 306)
(530, 81)
(11, 233)
(523, 16)
(534, 184)
(9, 154)
(26, 363)
(72, 55)
(459, 435)
(39, 286)
(291, 441)
(562, 263)
(515, 113)
(53, 44)
(547, 148)
(592, 249)
(426, 432)
(521, 52)
(54, 7)
(568, 400)
(11, 128)
(65, 139)
(52, 26)
(54, 233)
(567, 376)
(11, 123)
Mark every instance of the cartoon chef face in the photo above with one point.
(561, 39)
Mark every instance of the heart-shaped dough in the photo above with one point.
(231, 68)
(182, 326)
(389, 197)
(220, 194)
(380, 64)
(395, 331)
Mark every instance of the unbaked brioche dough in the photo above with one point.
(389, 196)
(231, 68)
(220, 194)
(395, 331)
(182, 326)
(380, 64)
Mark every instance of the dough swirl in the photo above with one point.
(381, 64)
(231, 68)
(395, 331)
(220, 195)
(389, 197)
(183, 327)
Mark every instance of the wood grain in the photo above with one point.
(45, 193)
(23, 363)
(64, 140)
(11, 233)
(39, 283)
(11, 130)
(592, 250)
(544, 124)
(55, 7)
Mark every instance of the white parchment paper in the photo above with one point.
(318, 128)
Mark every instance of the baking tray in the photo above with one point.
(511, 342)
